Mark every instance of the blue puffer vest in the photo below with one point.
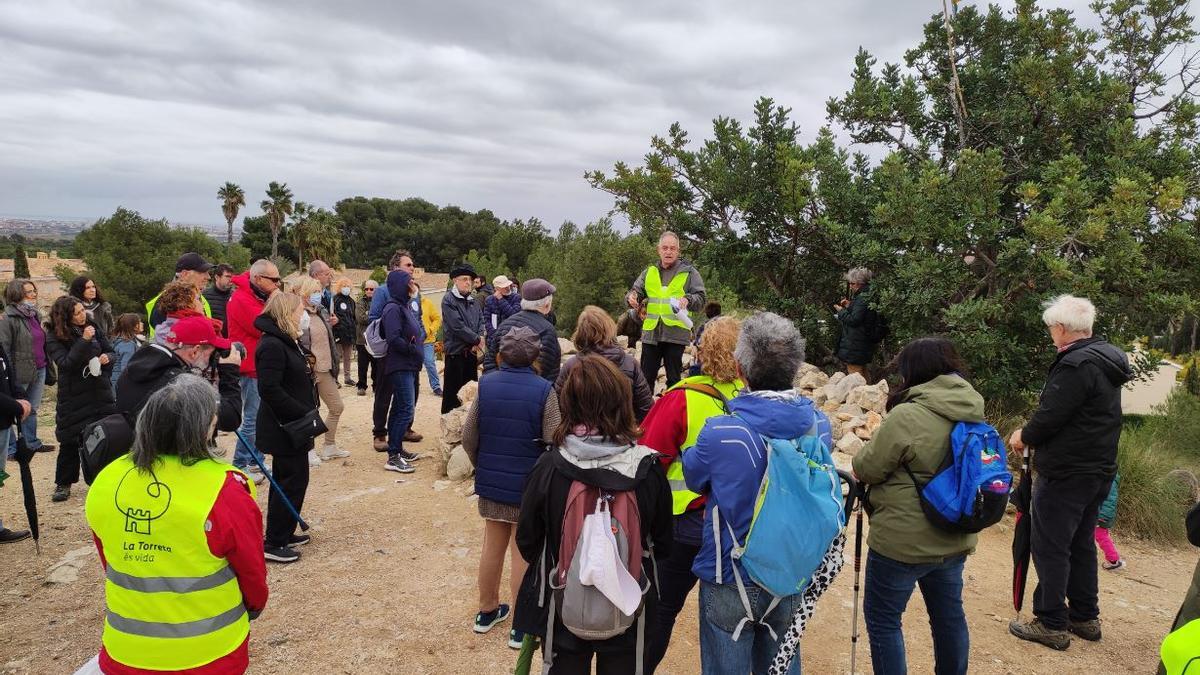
(511, 401)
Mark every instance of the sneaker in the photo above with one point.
(61, 493)
(280, 554)
(410, 456)
(333, 452)
(437, 392)
(411, 436)
(380, 444)
(8, 536)
(350, 383)
(1088, 630)
(515, 638)
(362, 392)
(485, 620)
(1113, 566)
(1036, 631)
(298, 540)
(398, 464)
(313, 460)
(254, 474)
(45, 447)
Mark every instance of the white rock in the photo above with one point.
(851, 409)
(566, 346)
(837, 393)
(812, 380)
(854, 423)
(452, 426)
(66, 570)
(850, 444)
(837, 377)
(468, 392)
(819, 397)
(623, 341)
(440, 485)
(806, 368)
(871, 398)
(459, 467)
(874, 419)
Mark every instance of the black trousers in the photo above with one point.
(366, 361)
(579, 662)
(460, 369)
(291, 472)
(66, 465)
(668, 355)
(676, 581)
(1064, 549)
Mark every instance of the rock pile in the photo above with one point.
(855, 409)
(454, 461)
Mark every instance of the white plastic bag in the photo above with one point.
(602, 567)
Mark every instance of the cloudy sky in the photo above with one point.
(499, 105)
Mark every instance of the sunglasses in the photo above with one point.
(275, 280)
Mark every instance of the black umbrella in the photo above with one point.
(24, 454)
(1022, 499)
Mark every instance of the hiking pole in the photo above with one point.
(263, 467)
(858, 524)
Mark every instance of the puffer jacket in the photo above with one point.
(496, 310)
(856, 344)
(346, 311)
(82, 399)
(154, 366)
(511, 404)
(550, 358)
(285, 386)
(916, 432)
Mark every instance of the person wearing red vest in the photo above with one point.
(251, 290)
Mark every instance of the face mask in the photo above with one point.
(305, 322)
(93, 367)
(314, 298)
(346, 291)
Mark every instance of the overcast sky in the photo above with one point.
(498, 105)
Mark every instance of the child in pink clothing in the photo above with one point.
(1108, 515)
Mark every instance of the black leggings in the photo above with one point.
(291, 472)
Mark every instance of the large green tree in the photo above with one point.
(436, 236)
(20, 263)
(256, 237)
(1072, 170)
(232, 199)
(316, 234)
(277, 207)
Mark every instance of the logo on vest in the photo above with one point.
(140, 504)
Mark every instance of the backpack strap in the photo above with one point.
(707, 390)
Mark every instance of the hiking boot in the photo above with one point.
(333, 452)
(1036, 631)
(350, 383)
(484, 621)
(45, 447)
(298, 540)
(8, 536)
(1113, 566)
(313, 460)
(398, 464)
(61, 493)
(515, 638)
(380, 443)
(410, 456)
(411, 436)
(1088, 630)
(280, 554)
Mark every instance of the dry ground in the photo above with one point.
(388, 586)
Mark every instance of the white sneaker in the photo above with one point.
(333, 452)
(313, 460)
(255, 475)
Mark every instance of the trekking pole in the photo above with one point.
(263, 467)
(858, 523)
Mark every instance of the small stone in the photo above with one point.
(837, 377)
(566, 347)
(623, 341)
(468, 393)
(811, 380)
(459, 467)
(874, 420)
(844, 417)
(850, 444)
(862, 433)
(440, 485)
(851, 409)
(838, 392)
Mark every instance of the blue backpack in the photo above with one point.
(797, 515)
(970, 489)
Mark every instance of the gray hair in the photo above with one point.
(370, 283)
(316, 266)
(667, 234)
(261, 267)
(859, 275)
(14, 292)
(177, 420)
(1076, 315)
(542, 305)
(769, 352)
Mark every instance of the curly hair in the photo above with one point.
(716, 348)
(62, 318)
(176, 297)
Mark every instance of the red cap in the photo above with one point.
(196, 330)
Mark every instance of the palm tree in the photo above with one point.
(232, 198)
(298, 230)
(277, 206)
(317, 233)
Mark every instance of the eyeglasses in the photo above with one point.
(275, 280)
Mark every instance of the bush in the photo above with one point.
(1153, 500)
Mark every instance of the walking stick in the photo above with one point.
(263, 467)
(858, 523)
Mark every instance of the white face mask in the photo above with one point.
(305, 322)
(93, 366)
(345, 291)
(314, 298)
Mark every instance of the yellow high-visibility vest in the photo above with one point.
(154, 302)
(1180, 651)
(658, 299)
(171, 604)
(700, 407)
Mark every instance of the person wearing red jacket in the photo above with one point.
(251, 290)
(179, 535)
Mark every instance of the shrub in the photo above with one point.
(1153, 500)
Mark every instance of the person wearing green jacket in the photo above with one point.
(1108, 515)
(906, 549)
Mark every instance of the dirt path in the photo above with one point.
(388, 586)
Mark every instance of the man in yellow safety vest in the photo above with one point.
(670, 287)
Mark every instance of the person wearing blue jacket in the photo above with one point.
(405, 357)
(727, 464)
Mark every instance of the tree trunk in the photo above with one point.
(229, 238)
(274, 241)
(1195, 325)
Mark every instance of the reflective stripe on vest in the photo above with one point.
(171, 604)
(699, 407)
(658, 299)
(1180, 651)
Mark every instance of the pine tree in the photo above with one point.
(20, 263)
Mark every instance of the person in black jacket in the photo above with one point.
(595, 397)
(1074, 433)
(13, 409)
(345, 331)
(462, 326)
(218, 292)
(859, 323)
(537, 299)
(285, 383)
(84, 359)
(187, 347)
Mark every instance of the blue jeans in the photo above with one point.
(889, 586)
(404, 392)
(33, 394)
(5, 434)
(242, 456)
(721, 611)
(435, 382)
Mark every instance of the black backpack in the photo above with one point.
(110, 437)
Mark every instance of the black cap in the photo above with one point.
(193, 262)
(463, 270)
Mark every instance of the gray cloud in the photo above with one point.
(484, 105)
